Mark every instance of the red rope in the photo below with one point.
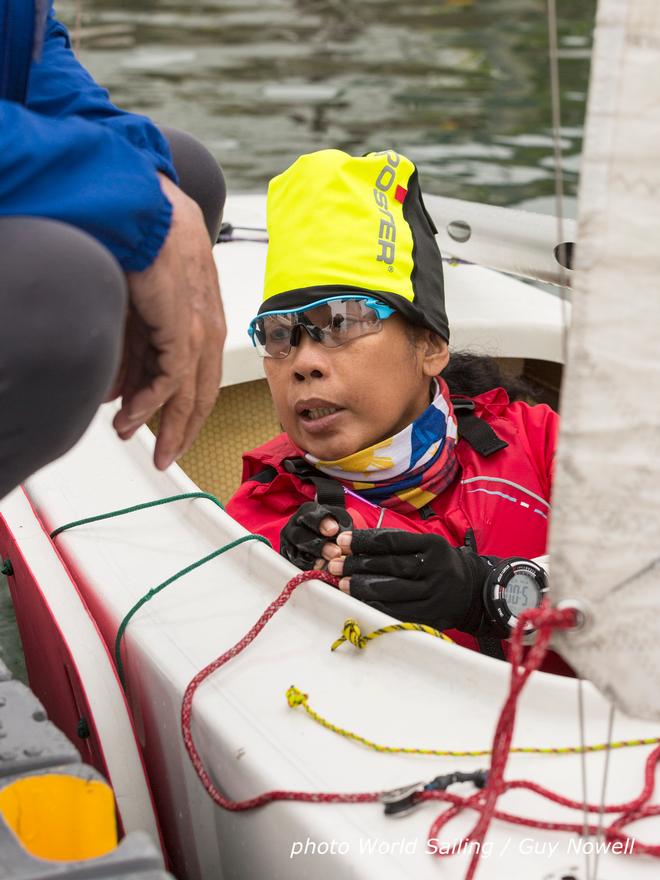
(186, 711)
(545, 619)
(484, 802)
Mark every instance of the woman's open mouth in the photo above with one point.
(317, 415)
(319, 412)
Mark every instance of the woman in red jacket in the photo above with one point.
(415, 498)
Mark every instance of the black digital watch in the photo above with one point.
(513, 586)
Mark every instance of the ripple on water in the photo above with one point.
(263, 80)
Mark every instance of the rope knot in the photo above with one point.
(295, 697)
(351, 633)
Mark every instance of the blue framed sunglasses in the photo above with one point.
(333, 321)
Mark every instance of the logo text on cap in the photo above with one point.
(387, 228)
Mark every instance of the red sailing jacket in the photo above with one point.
(504, 498)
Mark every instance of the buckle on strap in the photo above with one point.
(462, 404)
(297, 466)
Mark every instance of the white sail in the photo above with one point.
(605, 537)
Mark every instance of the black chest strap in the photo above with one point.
(267, 475)
(475, 430)
(328, 491)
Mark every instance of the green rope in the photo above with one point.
(148, 596)
(113, 513)
(153, 592)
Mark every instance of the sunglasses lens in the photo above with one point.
(331, 323)
(272, 335)
(341, 321)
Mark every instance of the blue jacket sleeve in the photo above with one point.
(59, 86)
(84, 174)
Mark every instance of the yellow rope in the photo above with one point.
(352, 633)
(296, 697)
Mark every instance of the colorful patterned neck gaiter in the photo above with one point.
(409, 470)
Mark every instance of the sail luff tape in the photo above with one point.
(508, 240)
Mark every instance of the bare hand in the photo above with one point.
(175, 334)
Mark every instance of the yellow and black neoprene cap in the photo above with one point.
(344, 224)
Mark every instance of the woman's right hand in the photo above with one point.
(312, 527)
(418, 578)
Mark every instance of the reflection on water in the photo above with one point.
(460, 86)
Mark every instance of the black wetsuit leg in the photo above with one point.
(62, 303)
(200, 176)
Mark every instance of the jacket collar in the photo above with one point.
(489, 405)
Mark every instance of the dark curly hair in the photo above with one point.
(473, 374)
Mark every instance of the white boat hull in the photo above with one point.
(404, 690)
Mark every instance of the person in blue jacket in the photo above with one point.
(107, 283)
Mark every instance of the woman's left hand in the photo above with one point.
(419, 578)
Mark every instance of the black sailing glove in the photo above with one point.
(418, 578)
(301, 540)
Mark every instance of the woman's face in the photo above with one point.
(333, 402)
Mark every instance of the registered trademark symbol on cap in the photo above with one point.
(390, 268)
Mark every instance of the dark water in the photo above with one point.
(460, 86)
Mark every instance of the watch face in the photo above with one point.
(521, 592)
